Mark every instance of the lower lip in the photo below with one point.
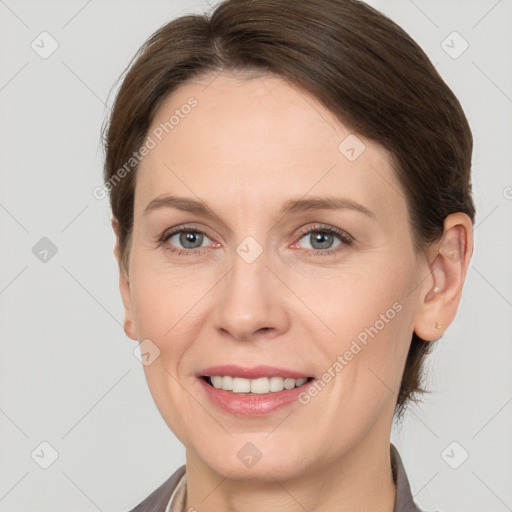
(253, 404)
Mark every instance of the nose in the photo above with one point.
(252, 301)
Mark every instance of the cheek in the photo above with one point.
(167, 306)
(368, 315)
(165, 300)
(169, 398)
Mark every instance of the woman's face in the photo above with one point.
(297, 260)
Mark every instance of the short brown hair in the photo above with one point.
(356, 61)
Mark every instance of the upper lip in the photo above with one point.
(254, 372)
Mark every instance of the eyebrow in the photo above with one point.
(324, 203)
(180, 203)
(291, 206)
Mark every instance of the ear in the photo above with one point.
(441, 291)
(124, 287)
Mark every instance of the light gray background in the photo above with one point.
(68, 375)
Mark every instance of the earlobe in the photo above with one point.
(448, 263)
(124, 288)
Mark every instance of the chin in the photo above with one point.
(257, 460)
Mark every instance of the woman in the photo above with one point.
(291, 195)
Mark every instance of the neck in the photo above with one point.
(361, 480)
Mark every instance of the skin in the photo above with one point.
(252, 143)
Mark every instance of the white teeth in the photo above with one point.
(289, 383)
(276, 384)
(259, 386)
(217, 382)
(241, 385)
(227, 383)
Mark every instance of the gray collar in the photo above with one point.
(404, 501)
(173, 490)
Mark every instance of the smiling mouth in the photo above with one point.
(263, 385)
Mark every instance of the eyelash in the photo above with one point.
(344, 237)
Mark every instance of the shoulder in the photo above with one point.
(404, 499)
(157, 501)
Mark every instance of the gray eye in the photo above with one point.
(319, 240)
(188, 239)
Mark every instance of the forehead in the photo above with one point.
(248, 138)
